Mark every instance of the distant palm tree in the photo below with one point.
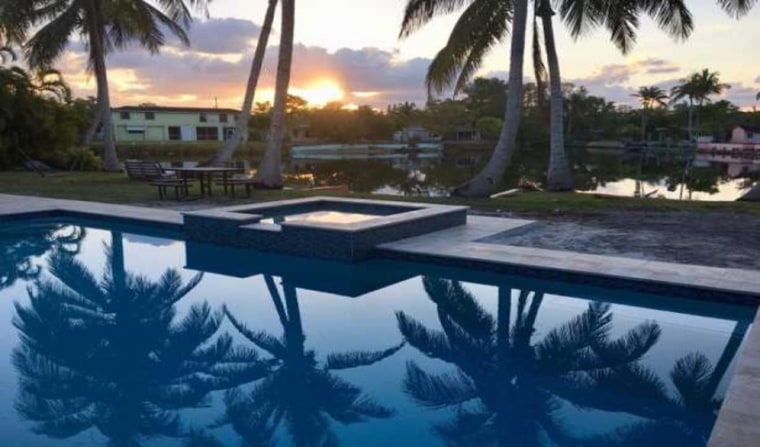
(111, 354)
(105, 25)
(269, 174)
(649, 97)
(484, 23)
(511, 384)
(299, 391)
(697, 89)
(241, 129)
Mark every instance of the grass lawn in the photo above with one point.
(116, 188)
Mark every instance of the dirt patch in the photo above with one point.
(702, 238)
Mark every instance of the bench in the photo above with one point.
(230, 183)
(146, 170)
(179, 185)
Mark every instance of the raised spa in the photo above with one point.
(323, 227)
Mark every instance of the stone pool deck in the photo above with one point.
(739, 419)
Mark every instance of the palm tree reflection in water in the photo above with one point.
(112, 353)
(300, 392)
(20, 244)
(510, 390)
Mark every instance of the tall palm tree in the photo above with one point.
(299, 391)
(105, 25)
(111, 354)
(697, 88)
(512, 384)
(241, 129)
(269, 174)
(485, 22)
(649, 97)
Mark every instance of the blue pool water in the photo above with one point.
(118, 338)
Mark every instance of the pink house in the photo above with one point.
(742, 151)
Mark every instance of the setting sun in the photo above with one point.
(320, 93)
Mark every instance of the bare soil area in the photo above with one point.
(715, 239)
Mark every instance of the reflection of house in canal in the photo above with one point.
(741, 153)
(466, 154)
(403, 156)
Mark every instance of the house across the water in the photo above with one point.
(741, 152)
(155, 123)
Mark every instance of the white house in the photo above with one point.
(155, 123)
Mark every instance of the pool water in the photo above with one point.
(329, 217)
(110, 337)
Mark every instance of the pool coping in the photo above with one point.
(737, 423)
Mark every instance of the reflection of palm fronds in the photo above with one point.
(112, 353)
(21, 244)
(299, 392)
(498, 365)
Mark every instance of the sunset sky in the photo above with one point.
(348, 51)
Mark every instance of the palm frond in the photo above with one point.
(481, 26)
(418, 13)
(737, 8)
(264, 341)
(691, 377)
(460, 305)
(348, 360)
(431, 343)
(437, 391)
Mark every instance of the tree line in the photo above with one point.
(43, 28)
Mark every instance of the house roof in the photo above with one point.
(751, 129)
(173, 109)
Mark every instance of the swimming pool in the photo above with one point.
(134, 337)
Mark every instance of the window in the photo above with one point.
(124, 115)
(207, 133)
(136, 129)
(204, 118)
(222, 117)
(175, 133)
(150, 116)
(229, 132)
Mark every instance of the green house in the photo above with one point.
(154, 123)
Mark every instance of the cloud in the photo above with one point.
(222, 36)
(740, 94)
(217, 63)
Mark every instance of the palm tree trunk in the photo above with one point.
(489, 179)
(643, 125)
(228, 148)
(98, 56)
(559, 177)
(89, 134)
(691, 112)
(118, 270)
(728, 355)
(270, 171)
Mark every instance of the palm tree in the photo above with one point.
(299, 391)
(485, 22)
(20, 245)
(697, 88)
(511, 384)
(649, 97)
(241, 130)
(269, 174)
(112, 354)
(105, 25)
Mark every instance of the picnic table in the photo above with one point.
(205, 175)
